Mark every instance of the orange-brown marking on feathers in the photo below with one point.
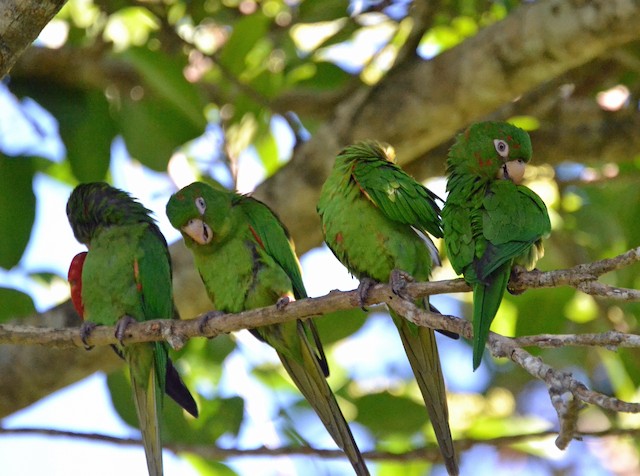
(362, 190)
(136, 275)
(255, 235)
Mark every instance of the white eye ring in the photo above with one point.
(201, 205)
(502, 148)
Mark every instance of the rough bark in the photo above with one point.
(422, 104)
(21, 21)
(418, 107)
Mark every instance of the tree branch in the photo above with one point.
(427, 453)
(21, 21)
(568, 395)
(177, 332)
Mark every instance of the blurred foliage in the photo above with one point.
(160, 74)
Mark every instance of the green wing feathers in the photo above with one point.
(395, 193)
(247, 260)
(490, 221)
(375, 219)
(273, 236)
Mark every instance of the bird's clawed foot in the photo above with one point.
(121, 327)
(515, 272)
(85, 331)
(283, 302)
(202, 321)
(363, 291)
(398, 282)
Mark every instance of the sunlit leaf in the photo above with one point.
(582, 308)
(206, 467)
(325, 76)
(384, 413)
(267, 149)
(247, 32)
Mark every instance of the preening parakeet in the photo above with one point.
(127, 272)
(491, 222)
(246, 260)
(375, 219)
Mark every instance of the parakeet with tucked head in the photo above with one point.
(127, 272)
(246, 261)
(375, 219)
(491, 222)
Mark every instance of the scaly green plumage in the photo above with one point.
(127, 272)
(246, 261)
(490, 221)
(375, 219)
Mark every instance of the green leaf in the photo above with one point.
(327, 76)
(87, 130)
(339, 325)
(267, 149)
(531, 306)
(164, 80)
(385, 414)
(17, 208)
(206, 467)
(162, 113)
(85, 123)
(327, 10)
(247, 32)
(217, 416)
(122, 397)
(15, 304)
(152, 131)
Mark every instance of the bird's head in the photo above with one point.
(491, 150)
(200, 213)
(97, 205)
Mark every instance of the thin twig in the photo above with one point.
(427, 453)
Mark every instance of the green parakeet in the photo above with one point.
(375, 219)
(246, 261)
(491, 222)
(127, 272)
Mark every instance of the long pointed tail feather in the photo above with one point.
(178, 391)
(421, 349)
(146, 394)
(486, 301)
(310, 380)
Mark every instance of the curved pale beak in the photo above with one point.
(512, 170)
(199, 231)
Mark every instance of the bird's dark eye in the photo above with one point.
(201, 205)
(501, 147)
